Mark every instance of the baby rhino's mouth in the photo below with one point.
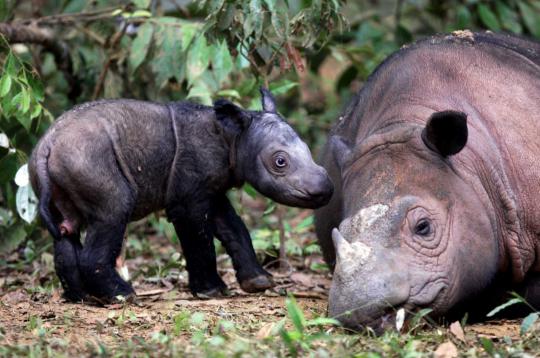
(311, 199)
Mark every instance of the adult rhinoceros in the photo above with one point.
(436, 165)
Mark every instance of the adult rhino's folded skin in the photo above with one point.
(436, 170)
(105, 163)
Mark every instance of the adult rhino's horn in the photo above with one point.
(349, 255)
(268, 102)
(341, 245)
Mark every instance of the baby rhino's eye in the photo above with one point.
(280, 161)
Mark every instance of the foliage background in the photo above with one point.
(313, 54)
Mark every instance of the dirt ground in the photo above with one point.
(79, 326)
(24, 310)
(32, 312)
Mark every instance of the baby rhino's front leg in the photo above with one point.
(195, 232)
(232, 232)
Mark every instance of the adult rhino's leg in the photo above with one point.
(531, 291)
(232, 232)
(196, 235)
(329, 217)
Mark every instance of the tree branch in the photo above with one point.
(30, 34)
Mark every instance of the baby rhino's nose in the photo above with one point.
(319, 187)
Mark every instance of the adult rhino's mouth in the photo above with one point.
(433, 295)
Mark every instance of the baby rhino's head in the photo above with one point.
(271, 156)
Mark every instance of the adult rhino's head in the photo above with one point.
(270, 155)
(414, 233)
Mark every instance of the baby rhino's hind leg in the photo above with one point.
(66, 262)
(97, 261)
(90, 175)
(67, 247)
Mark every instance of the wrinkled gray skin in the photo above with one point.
(106, 163)
(436, 174)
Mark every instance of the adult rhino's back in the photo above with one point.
(435, 159)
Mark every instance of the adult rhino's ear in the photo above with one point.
(230, 116)
(446, 132)
(268, 102)
(340, 150)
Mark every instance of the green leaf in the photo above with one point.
(201, 91)
(36, 111)
(141, 13)
(26, 202)
(497, 309)
(214, 5)
(323, 321)
(295, 314)
(280, 22)
(75, 6)
(25, 101)
(222, 62)
(418, 316)
(11, 65)
(488, 345)
(8, 167)
(463, 17)
(230, 93)
(403, 35)
(257, 17)
(282, 87)
(488, 18)
(188, 33)
(249, 190)
(226, 18)
(305, 223)
(197, 59)
(167, 62)
(5, 84)
(528, 322)
(140, 46)
(142, 4)
(509, 18)
(12, 238)
(37, 87)
(531, 18)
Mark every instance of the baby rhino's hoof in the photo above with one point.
(257, 284)
(213, 293)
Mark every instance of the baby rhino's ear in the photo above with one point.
(230, 116)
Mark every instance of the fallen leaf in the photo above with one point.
(265, 331)
(446, 350)
(400, 319)
(302, 279)
(498, 329)
(157, 291)
(457, 331)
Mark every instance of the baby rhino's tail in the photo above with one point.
(41, 182)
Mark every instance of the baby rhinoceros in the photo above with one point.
(106, 163)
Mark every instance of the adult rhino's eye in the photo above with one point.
(423, 227)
